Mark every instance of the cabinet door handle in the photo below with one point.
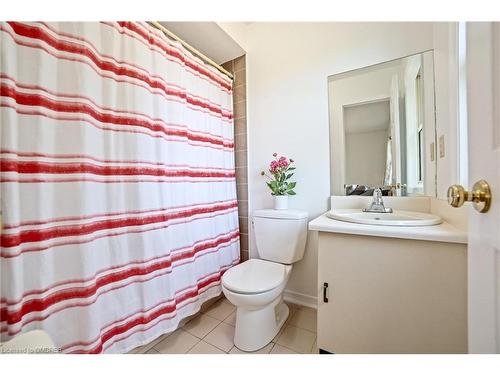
(325, 287)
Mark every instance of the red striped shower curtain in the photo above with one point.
(117, 185)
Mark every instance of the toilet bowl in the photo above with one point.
(256, 286)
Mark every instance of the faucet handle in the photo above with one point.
(377, 196)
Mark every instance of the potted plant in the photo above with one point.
(279, 175)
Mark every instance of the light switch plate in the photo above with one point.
(441, 146)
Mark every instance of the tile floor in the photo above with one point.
(212, 330)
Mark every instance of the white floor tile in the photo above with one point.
(297, 339)
(220, 310)
(209, 303)
(222, 337)
(205, 348)
(275, 339)
(145, 348)
(278, 349)
(231, 319)
(305, 318)
(137, 350)
(187, 319)
(178, 342)
(265, 350)
(315, 349)
(201, 325)
(216, 327)
(293, 308)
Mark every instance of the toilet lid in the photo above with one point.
(254, 276)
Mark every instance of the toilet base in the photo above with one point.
(256, 327)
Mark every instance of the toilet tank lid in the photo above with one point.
(281, 214)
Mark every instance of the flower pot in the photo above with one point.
(281, 202)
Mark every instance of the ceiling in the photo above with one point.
(208, 38)
(367, 117)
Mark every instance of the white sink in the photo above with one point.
(394, 219)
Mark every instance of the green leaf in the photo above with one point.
(291, 168)
(291, 185)
(289, 175)
(291, 192)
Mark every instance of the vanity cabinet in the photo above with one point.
(391, 295)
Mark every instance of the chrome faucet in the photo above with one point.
(377, 204)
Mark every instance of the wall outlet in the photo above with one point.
(441, 146)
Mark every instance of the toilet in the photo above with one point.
(256, 286)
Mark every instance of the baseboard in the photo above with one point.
(300, 299)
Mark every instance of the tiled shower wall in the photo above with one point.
(238, 68)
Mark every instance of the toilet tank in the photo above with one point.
(280, 235)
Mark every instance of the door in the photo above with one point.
(483, 75)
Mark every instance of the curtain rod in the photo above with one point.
(193, 50)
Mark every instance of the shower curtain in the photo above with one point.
(117, 183)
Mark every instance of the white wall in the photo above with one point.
(430, 170)
(446, 88)
(446, 72)
(236, 30)
(209, 38)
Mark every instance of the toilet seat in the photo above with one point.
(254, 276)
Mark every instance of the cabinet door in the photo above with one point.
(326, 308)
(388, 295)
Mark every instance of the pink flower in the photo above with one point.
(273, 166)
(283, 162)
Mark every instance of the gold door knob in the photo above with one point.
(480, 196)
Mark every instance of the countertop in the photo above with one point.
(444, 232)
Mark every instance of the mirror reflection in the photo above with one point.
(383, 127)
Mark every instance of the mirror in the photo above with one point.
(382, 128)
